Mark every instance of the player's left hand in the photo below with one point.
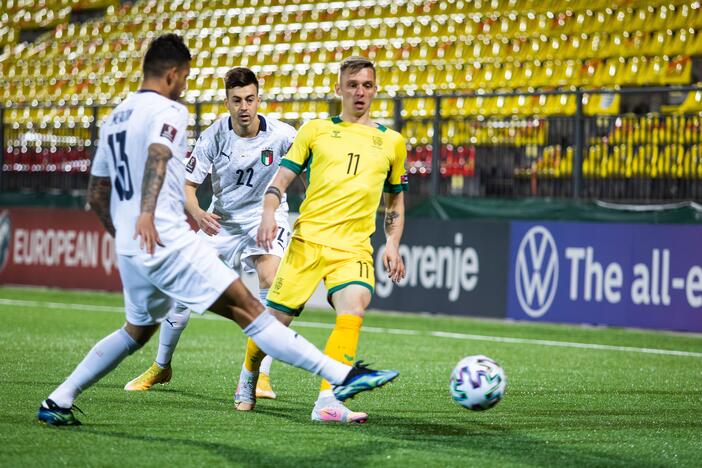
(147, 233)
(267, 231)
(392, 261)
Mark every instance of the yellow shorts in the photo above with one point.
(306, 263)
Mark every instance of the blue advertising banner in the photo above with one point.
(631, 275)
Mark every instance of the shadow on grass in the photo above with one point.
(477, 441)
(241, 456)
(469, 439)
(496, 442)
(521, 439)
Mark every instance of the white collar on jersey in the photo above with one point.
(262, 128)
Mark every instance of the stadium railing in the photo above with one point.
(629, 144)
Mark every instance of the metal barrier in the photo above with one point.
(638, 144)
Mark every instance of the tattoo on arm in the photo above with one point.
(275, 191)
(390, 218)
(154, 174)
(394, 217)
(99, 190)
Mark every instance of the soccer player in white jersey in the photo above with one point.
(136, 189)
(242, 151)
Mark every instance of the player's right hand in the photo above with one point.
(267, 231)
(208, 222)
(146, 232)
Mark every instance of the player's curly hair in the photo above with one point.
(238, 77)
(164, 52)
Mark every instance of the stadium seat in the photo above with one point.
(419, 47)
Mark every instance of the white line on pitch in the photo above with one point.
(393, 331)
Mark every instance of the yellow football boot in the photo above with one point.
(153, 375)
(263, 387)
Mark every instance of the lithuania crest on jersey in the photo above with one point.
(267, 157)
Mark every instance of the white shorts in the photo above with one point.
(190, 273)
(242, 244)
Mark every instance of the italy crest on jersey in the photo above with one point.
(267, 157)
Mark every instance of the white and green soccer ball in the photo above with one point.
(478, 383)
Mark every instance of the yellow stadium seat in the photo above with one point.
(548, 72)
(678, 71)
(561, 104)
(641, 72)
(680, 43)
(601, 104)
(691, 104)
(506, 44)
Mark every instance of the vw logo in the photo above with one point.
(536, 271)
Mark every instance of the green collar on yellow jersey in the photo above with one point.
(337, 120)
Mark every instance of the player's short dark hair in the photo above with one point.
(238, 77)
(355, 64)
(165, 52)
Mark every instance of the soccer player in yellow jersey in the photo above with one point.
(350, 161)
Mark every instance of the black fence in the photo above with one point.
(639, 144)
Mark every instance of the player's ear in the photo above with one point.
(171, 75)
(337, 88)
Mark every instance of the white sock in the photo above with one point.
(171, 329)
(265, 367)
(326, 398)
(284, 344)
(267, 361)
(262, 294)
(99, 361)
(246, 374)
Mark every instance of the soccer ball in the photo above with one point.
(478, 383)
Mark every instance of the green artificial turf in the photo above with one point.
(564, 405)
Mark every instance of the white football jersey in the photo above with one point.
(145, 117)
(241, 168)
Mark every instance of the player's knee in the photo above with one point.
(265, 279)
(138, 335)
(253, 305)
(358, 310)
(244, 310)
(178, 318)
(132, 344)
(285, 319)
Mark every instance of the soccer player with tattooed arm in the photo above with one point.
(241, 151)
(350, 160)
(136, 188)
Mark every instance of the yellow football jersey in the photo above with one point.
(348, 165)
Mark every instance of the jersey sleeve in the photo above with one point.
(100, 165)
(290, 135)
(300, 150)
(200, 162)
(167, 126)
(397, 177)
